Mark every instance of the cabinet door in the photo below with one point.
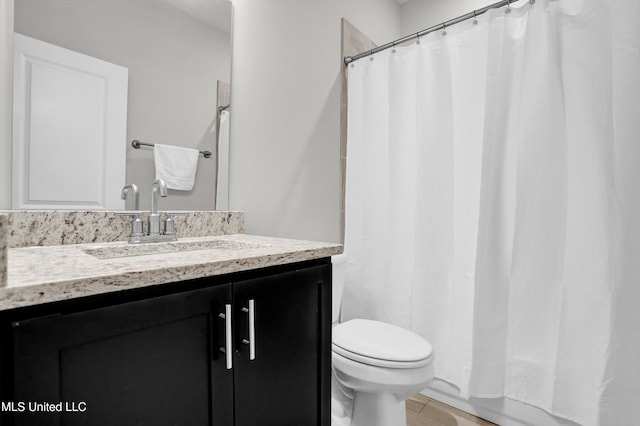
(282, 384)
(149, 362)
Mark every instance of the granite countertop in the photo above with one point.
(53, 273)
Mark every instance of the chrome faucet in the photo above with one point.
(136, 224)
(133, 189)
(158, 186)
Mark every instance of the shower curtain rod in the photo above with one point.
(442, 26)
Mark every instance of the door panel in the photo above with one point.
(148, 362)
(281, 385)
(69, 129)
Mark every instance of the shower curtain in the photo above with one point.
(493, 203)
(222, 186)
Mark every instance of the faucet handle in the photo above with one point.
(169, 224)
(136, 224)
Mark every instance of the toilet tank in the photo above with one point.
(339, 267)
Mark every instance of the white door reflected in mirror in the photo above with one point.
(69, 125)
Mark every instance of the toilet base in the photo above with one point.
(378, 409)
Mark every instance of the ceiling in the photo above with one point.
(216, 13)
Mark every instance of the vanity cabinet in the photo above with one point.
(281, 385)
(142, 362)
(250, 348)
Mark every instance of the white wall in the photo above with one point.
(174, 62)
(6, 100)
(285, 114)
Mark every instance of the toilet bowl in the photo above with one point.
(376, 367)
(381, 366)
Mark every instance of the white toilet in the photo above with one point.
(376, 366)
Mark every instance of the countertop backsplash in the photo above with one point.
(3, 249)
(27, 228)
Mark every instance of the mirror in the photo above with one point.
(176, 52)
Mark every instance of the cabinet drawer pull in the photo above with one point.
(227, 349)
(252, 329)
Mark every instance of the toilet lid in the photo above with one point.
(380, 341)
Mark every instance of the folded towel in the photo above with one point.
(176, 166)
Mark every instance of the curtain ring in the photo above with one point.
(475, 18)
(418, 37)
(508, 9)
(444, 29)
(393, 46)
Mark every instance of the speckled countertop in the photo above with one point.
(52, 273)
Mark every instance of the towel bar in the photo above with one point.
(136, 144)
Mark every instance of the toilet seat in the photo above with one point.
(380, 344)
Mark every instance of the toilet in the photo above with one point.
(376, 366)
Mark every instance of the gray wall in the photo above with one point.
(285, 121)
(174, 62)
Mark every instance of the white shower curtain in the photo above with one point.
(493, 203)
(222, 185)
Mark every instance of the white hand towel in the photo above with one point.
(176, 166)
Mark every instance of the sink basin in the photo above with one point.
(171, 247)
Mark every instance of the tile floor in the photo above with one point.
(423, 411)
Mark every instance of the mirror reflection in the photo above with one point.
(177, 53)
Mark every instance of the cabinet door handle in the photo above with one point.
(252, 329)
(228, 349)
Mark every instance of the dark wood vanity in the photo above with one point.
(159, 355)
